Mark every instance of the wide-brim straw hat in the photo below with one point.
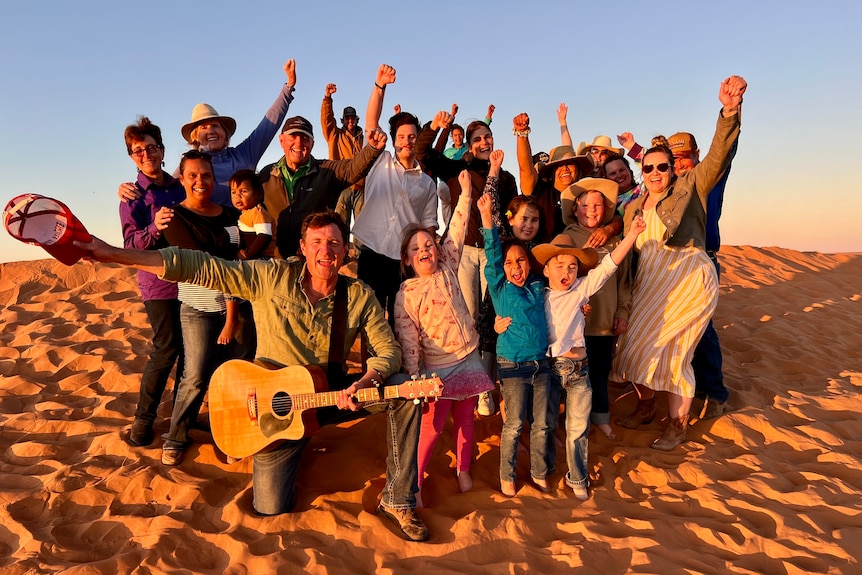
(563, 156)
(563, 244)
(202, 113)
(603, 142)
(608, 188)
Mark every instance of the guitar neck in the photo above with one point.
(329, 398)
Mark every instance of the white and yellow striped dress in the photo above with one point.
(674, 296)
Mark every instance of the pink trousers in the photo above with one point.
(433, 423)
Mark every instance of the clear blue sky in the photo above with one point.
(74, 74)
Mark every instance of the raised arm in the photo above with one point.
(259, 140)
(562, 117)
(327, 116)
(385, 76)
(527, 172)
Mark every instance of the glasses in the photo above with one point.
(599, 152)
(648, 168)
(150, 150)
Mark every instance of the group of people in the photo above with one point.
(533, 290)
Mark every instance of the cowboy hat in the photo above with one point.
(608, 188)
(601, 142)
(203, 112)
(564, 245)
(563, 156)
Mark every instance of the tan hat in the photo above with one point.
(203, 112)
(564, 156)
(563, 244)
(603, 142)
(682, 142)
(608, 188)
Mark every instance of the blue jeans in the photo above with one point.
(275, 471)
(574, 379)
(707, 361)
(528, 396)
(202, 356)
(164, 316)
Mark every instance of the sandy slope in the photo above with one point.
(773, 487)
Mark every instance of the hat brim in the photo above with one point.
(48, 223)
(227, 122)
(298, 131)
(607, 188)
(587, 257)
(585, 166)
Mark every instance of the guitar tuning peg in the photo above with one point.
(416, 401)
(423, 376)
(414, 377)
(433, 374)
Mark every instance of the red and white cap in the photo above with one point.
(42, 221)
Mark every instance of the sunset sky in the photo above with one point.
(75, 74)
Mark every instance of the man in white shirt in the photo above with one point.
(397, 193)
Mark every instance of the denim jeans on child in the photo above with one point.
(528, 396)
(573, 378)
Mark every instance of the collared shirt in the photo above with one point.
(289, 176)
(291, 331)
(563, 308)
(137, 218)
(394, 197)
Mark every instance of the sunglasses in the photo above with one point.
(648, 168)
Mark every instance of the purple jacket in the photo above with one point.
(139, 230)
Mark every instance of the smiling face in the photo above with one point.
(565, 176)
(525, 223)
(324, 252)
(405, 144)
(516, 265)
(349, 123)
(422, 254)
(481, 143)
(685, 161)
(561, 271)
(656, 181)
(198, 180)
(296, 148)
(210, 136)
(457, 137)
(148, 157)
(590, 210)
(617, 171)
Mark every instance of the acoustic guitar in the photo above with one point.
(252, 406)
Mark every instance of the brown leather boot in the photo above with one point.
(643, 414)
(673, 436)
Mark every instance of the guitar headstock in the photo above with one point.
(422, 387)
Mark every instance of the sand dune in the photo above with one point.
(773, 487)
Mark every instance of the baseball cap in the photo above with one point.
(681, 142)
(42, 221)
(298, 125)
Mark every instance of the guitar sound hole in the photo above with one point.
(282, 404)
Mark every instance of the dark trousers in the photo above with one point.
(164, 316)
(707, 360)
(383, 275)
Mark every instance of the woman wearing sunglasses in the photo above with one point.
(676, 288)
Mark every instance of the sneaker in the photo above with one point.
(410, 524)
(486, 404)
(714, 409)
(581, 492)
(172, 456)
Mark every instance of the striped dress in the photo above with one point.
(674, 297)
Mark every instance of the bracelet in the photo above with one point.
(379, 86)
(521, 133)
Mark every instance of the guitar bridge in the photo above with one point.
(251, 405)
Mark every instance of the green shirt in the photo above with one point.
(290, 331)
(290, 176)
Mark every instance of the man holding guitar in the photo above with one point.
(294, 306)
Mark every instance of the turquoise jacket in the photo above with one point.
(527, 336)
